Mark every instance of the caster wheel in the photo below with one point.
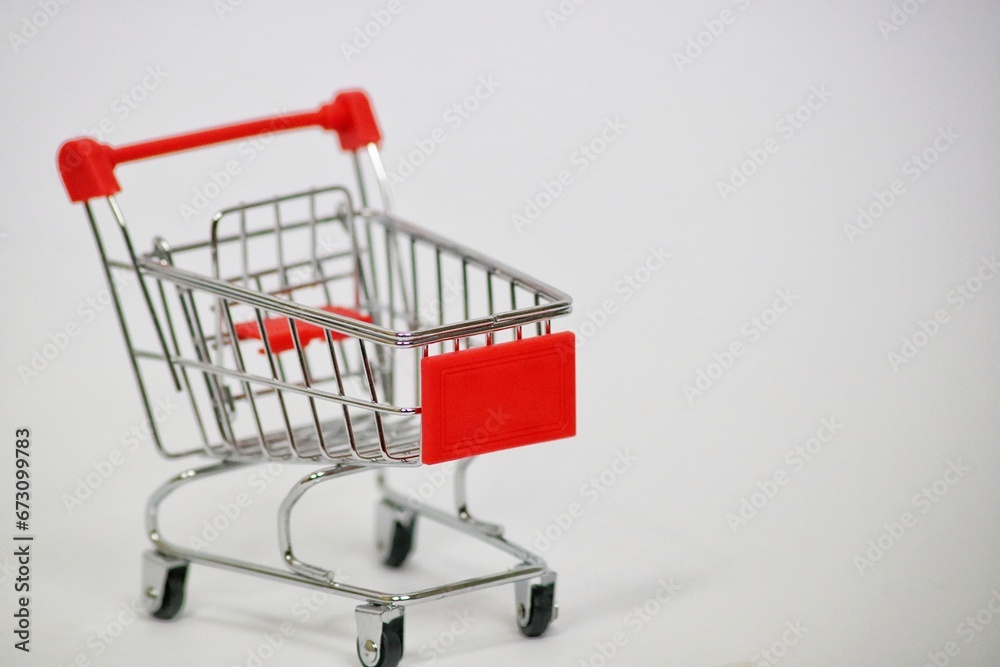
(163, 579)
(389, 651)
(536, 607)
(395, 532)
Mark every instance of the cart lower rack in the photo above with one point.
(318, 328)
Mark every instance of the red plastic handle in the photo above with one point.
(88, 166)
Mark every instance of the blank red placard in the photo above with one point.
(497, 397)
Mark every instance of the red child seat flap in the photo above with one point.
(279, 333)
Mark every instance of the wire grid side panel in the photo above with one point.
(447, 288)
(269, 397)
(317, 398)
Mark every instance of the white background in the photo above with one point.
(664, 519)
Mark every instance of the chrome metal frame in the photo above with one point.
(530, 565)
(355, 418)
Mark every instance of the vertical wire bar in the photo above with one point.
(185, 378)
(274, 374)
(415, 323)
(538, 325)
(183, 295)
(317, 266)
(307, 379)
(216, 386)
(247, 387)
(415, 318)
(244, 249)
(465, 294)
(513, 306)
(359, 174)
(120, 312)
(340, 388)
(360, 178)
(360, 281)
(217, 273)
(381, 177)
(389, 240)
(343, 353)
(373, 298)
(383, 355)
(489, 300)
(418, 394)
(374, 396)
(440, 289)
(393, 257)
(280, 366)
(373, 302)
(120, 219)
(280, 246)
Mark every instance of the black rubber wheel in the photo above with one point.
(172, 599)
(391, 651)
(401, 543)
(540, 612)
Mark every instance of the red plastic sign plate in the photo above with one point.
(497, 397)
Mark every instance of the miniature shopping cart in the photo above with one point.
(316, 327)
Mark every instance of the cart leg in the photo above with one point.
(536, 604)
(462, 502)
(285, 519)
(163, 580)
(380, 635)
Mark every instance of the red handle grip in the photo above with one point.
(87, 167)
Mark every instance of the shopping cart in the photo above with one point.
(314, 327)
